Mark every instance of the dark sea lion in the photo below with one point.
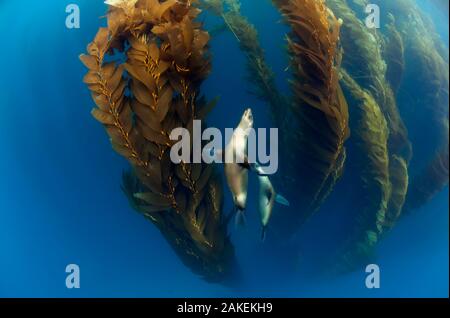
(267, 199)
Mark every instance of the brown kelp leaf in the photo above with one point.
(162, 9)
(201, 217)
(142, 94)
(138, 45)
(101, 101)
(116, 135)
(147, 115)
(153, 51)
(114, 81)
(101, 40)
(89, 61)
(151, 135)
(154, 199)
(188, 33)
(201, 39)
(207, 108)
(196, 170)
(122, 150)
(118, 94)
(163, 66)
(103, 117)
(152, 209)
(91, 78)
(141, 75)
(108, 69)
(183, 112)
(126, 117)
(204, 178)
(164, 103)
(181, 200)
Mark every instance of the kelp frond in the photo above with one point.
(259, 73)
(319, 105)
(373, 189)
(394, 55)
(139, 102)
(431, 181)
(426, 103)
(364, 62)
(398, 174)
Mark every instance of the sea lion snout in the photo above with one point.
(241, 200)
(247, 119)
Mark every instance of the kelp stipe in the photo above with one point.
(319, 108)
(259, 73)
(166, 60)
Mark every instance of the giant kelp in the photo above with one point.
(363, 60)
(429, 182)
(423, 95)
(145, 73)
(259, 73)
(394, 55)
(398, 174)
(365, 51)
(151, 88)
(373, 189)
(380, 147)
(318, 107)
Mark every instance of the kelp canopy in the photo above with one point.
(140, 100)
(145, 74)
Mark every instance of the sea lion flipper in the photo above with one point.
(253, 167)
(239, 220)
(281, 200)
(263, 233)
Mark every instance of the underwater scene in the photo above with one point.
(339, 183)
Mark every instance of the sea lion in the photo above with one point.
(235, 172)
(267, 199)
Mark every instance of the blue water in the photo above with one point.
(60, 200)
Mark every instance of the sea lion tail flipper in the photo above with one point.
(263, 233)
(281, 200)
(239, 220)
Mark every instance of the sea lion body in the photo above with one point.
(267, 199)
(235, 153)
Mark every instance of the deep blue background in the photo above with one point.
(60, 200)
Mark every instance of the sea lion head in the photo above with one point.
(247, 119)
